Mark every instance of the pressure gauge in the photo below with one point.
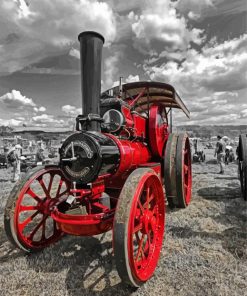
(113, 120)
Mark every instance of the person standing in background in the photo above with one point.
(14, 158)
(220, 152)
(40, 155)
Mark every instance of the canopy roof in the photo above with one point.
(149, 92)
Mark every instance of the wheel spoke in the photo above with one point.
(33, 195)
(41, 182)
(153, 225)
(140, 206)
(146, 205)
(147, 244)
(140, 250)
(59, 188)
(42, 222)
(50, 182)
(27, 208)
(137, 228)
(147, 199)
(61, 194)
(154, 210)
(28, 220)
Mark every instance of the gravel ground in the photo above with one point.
(204, 250)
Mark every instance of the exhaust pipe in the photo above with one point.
(91, 44)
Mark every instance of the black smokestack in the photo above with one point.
(91, 44)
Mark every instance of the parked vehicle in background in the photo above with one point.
(209, 145)
(3, 159)
(230, 156)
(198, 150)
(28, 161)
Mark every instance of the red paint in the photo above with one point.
(132, 154)
(158, 129)
(187, 173)
(84, 225)
(146, 227)
(128, 117)
(140, 125)
(38, 208)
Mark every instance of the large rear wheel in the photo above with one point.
(139, 227)
(242, 151)
(27, 220)
(177, 170)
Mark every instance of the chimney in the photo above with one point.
(91, 44)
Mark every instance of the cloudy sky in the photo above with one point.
(200, 47)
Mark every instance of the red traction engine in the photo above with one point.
(111, 173)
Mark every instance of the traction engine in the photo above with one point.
(116, 171)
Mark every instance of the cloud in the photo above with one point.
(196, 9)
(111, 69)
(243, 113)
(217, 68)
(159, 22)
(15, 99)
(11, 122)
(199, 10)
(71, 110)
(132, 78)
(39, 109)
(75, 53)
(46, 120)
(47, 28)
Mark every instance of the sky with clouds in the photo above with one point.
(197, 46)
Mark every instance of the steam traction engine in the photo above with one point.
(111, 173)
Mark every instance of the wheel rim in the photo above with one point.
(146, 228)
(33, 225)
(187, 178)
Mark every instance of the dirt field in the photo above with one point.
(204, 251)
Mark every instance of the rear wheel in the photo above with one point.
(139, 227)
(177, 170)
(27, 220)
(243, 164)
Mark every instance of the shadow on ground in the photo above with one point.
(89, 262)
(226, 178)
(218, 193)
(7, 251)
(233, 239)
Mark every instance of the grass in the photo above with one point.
(204, 251)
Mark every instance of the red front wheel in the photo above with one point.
(139, 227)
(27, 220)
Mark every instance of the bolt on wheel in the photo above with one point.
(27, 220)
(139, 227)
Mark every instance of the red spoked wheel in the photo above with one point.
(183, 174)
(177, 170)
(242, 164)
(139, 227)
(27, 220)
